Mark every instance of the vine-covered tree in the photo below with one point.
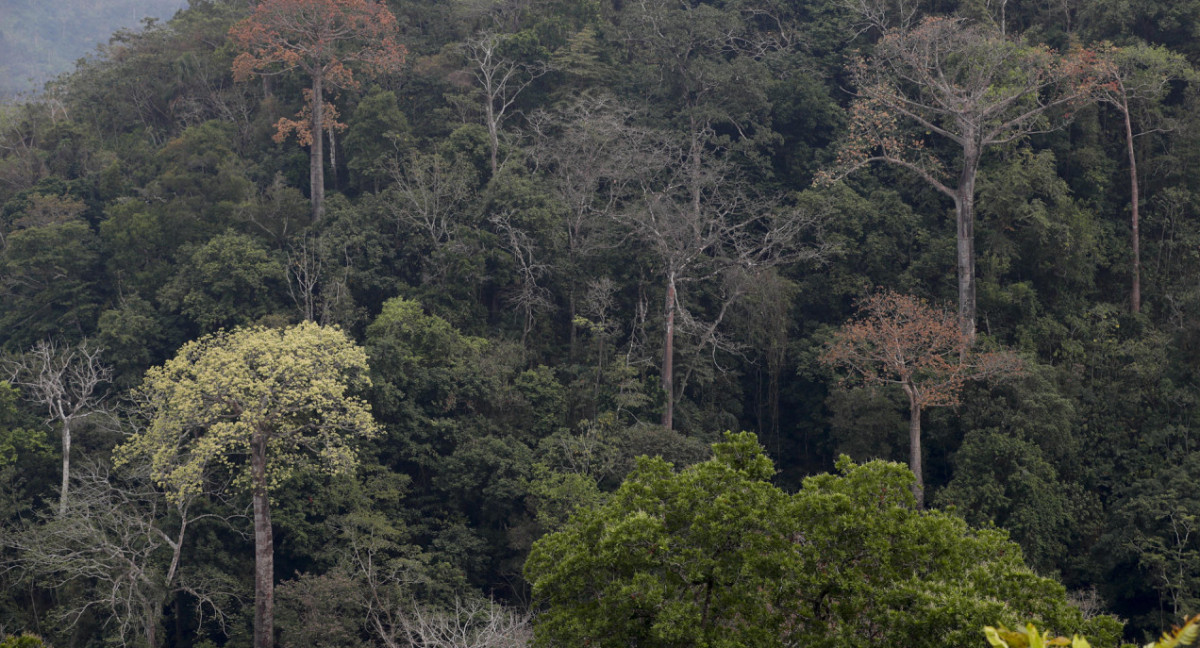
(262, 403)
(324, 39)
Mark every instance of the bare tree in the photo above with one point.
(703, 226)
(470, 624)
(502, 77)
(66, 381)
(530, 297)
(123, 541)
(963, 82)
(589, 153)
(429, 195)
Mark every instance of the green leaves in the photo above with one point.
(716, 556)
(295, 386)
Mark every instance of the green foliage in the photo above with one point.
(229, 281)
(48, 283)
(290, 388)
(25, 640)
(716, 556)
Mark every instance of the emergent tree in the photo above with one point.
(966, 83)
(323, 39)
(259, 404)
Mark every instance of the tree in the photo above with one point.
(323, 39)
(1131, 78)
(496, 63)
(263, 404)
(963, 82)
(715, 555)
(67, 382)
(902, 340)
(122, 542)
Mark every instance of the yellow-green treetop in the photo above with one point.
(293, 386)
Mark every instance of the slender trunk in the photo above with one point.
(493, 134)
(316, 153)
(914, 446)
(964, 204)
(151, 620)
(66, 468)
(264, 549)
(333, 158)
(1135, 295)
(668, 370)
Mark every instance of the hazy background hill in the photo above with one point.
(41, 39)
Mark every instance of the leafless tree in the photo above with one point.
(703, 226)
(502, 78)
(69, 382)
(530, 297)
(429, 194)
(963, 82)
(120, 539)
(470, 624)
(589, 154)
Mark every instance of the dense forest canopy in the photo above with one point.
(472, 260)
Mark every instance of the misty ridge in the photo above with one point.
(41, 40)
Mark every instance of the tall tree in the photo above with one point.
(963, 82)
(504, 65)
(263, 403)
(1135, 80)
(901, 340)
(324, 39)
(66, 381)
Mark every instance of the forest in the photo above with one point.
(667, 323)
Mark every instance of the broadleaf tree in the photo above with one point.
(326, 40)
(258, 405)
(715, 555)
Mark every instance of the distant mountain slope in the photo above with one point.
(40, 39)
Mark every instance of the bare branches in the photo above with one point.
(502, 78)
(118, 538)
(470, 624)
(66, 382)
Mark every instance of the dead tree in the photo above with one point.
(69, 383)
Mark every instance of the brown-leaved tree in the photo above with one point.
(902, 340)
(326, 40)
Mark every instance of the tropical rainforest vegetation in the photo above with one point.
(344, 323)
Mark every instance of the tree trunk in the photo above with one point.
(668, 369)
(914, 446)
(1135, 294)
(316, 152)
(264, 549)
(333, 168)
(964, 204)
(66, 467)
(493, 134)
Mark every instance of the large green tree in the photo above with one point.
(716, 556)
(259, 405)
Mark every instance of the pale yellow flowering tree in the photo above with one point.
(257, 404)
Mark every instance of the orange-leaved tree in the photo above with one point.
(902, 340)
(327, 40)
